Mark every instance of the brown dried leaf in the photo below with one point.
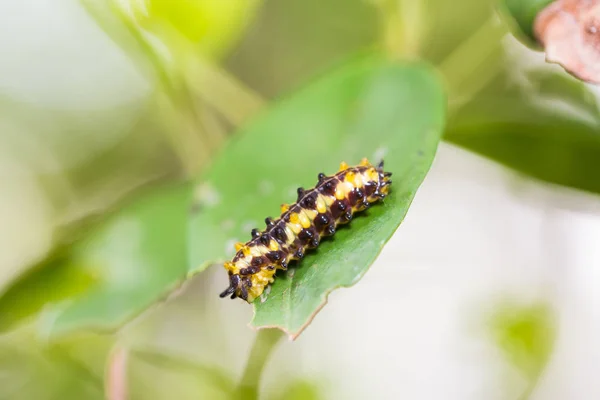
(570, 33)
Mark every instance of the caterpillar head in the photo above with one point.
(238, 287)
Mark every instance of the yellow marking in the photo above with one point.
(229, 266)
(289, 234)
(329, 200)
(273, 245)
(344, 166)
(351, 185)
(350, 176)
(364, 179)
(259, 281)
(355, 180)
(304, 220)
(340, 193)
(284, 208)
(364, 162)
(254, 292)
(295, 228)
(294, 218)
(311, 214)
(360, 182)
(321, 207)
(372, 174)
(241, 246)
(235, 268)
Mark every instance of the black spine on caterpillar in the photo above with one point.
(316, 214)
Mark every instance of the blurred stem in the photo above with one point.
(208, 81)
(223, 91)
(192, 90)
(116, 375)
(180, 131)
(187, 138)
(264, 344)
(532, 385)
(464, 78)
(57, 353)
(402, 27)
(527, 393)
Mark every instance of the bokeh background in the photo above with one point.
(489, 289)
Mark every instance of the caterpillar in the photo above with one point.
(316, 214)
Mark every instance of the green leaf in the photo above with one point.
(546, 126)
(524, 13)
(369, 108)
(123, 266)
(137, 255)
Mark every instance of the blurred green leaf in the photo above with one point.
(118, 149)
(526, 335)
(366, 109)
(446, 25)
(82, 196)
(57, 279)
(538, 121)
(524, 13)
(156, 376)
(206, 27)
(33, 370)
(214, 25)
(114, 272)
(291, 40)
(138, 254)
(431, 30)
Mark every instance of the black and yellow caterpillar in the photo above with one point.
(316, 214)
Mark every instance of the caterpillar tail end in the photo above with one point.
(384, 181)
